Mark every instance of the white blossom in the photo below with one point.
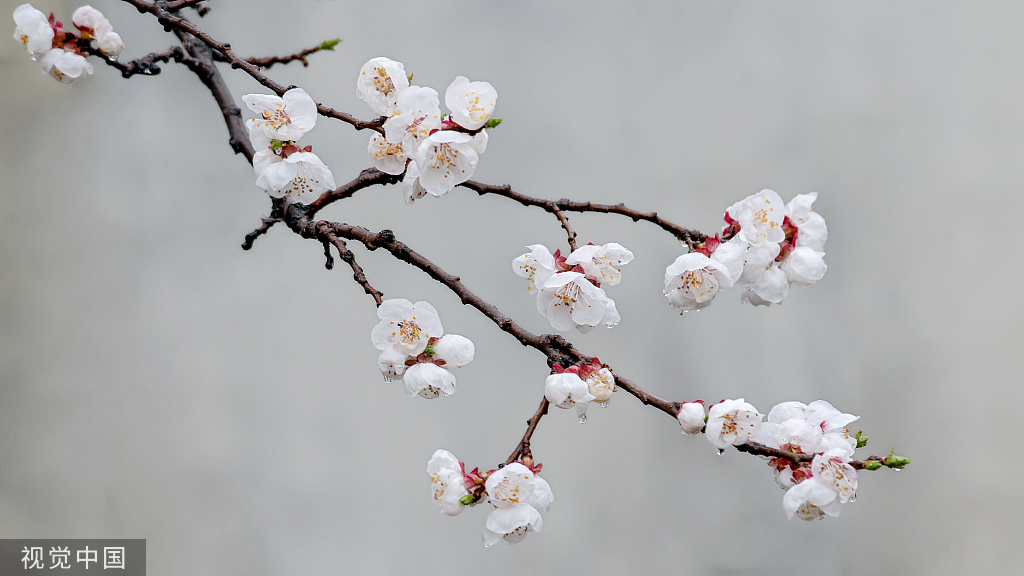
(392, 364)
(387, 157)
(110, 44)
(600, 384)
(599, 262)
(65, 66)
(287, 118)
(731, 423)
(812, 229)
(445, 158)
(416, 115)
(405, 327)
(693, 280)
(86, 17)
(300, 173)
(33, 30)
(428, 380)
(804, 266)
(449, 483)
(569, 300)
(536, 266)
(454, 350)
(411, 187)
(379, 83)
(471, 103)
(808, 428)
(691, 417)
(518, 496)
(833, 469)
(810, 500)
(566, 390)
(760, 217)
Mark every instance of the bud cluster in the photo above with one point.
(569, 289)
(436, 151)
(516, 490)
(414, 348)
(58, 50)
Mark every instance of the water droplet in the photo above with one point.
(583, 419)
(388, 379)
(113, 57)
(720, 451)
(604, 404)
(820, 518)
(853, 498)
(897, 469)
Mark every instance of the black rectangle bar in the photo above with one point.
(73, 557)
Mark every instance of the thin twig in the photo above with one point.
(366, 178)
(172, 22)
(252, 236)
(690, 237)
(268, 61)
(345, 254)
(524, 445)
(181, 4)
(565, 224)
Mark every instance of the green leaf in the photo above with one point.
(330, 44)
(862, 441)
(873, 465)
(895, 462)
(492, 123)
(467, 499)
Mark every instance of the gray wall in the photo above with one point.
(158, 382)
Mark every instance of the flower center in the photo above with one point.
(382, 82)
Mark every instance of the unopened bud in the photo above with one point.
(467, 499)
(492, 123)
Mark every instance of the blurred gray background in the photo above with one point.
(158, 382)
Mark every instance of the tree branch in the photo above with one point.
(345, 254)
(690, 237)
(565, 224)
(145, 65)
(269, 61)
(181, 4)
(366, 178)
(180, 25)
(523, 449)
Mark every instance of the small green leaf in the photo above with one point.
(873, 465)
(330, 44)
(429, 350)
(467, 499)
(276, 145)
(492, 123)
(862, 441)
(895, 462)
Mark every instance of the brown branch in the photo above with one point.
(366, 178)
(181, 4)
(145, 66)
(179, 24)
(690, 237)
(345, 254)
(268, 61)
(565, 224)
(523, 449)
(263, 229)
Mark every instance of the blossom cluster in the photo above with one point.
(765, 248)
(415, 349)
(58, 50)
(578, 386)
(813, 489)
(569, 289)
(436, 151)
(282, 168)
(516, 490)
